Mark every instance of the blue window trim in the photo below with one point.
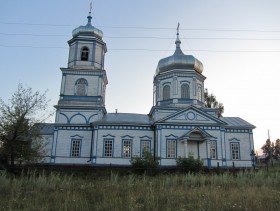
(127, 137)
(145, 137)
(77, 136)
(167, 140)
(131, 144)
(231, 143)
(103, 153)
(109, 136)
(80, 149)
(141, 151)
(171, 135)
(86, 82)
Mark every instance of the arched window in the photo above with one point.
(166, 92)
(199, 93)
(81, 87)
(84, 54)
(185, 91)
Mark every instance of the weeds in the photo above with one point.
(54, 191)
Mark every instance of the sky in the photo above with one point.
(238, 43)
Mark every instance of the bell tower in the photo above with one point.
(83, 84)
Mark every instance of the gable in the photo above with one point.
(191, 115)
(196, 134)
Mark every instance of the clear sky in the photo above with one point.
(237, 41)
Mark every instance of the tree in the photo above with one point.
(276, 151)
(268, 149)
(19, 128)
(210, 101)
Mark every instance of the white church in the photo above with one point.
(178, 124)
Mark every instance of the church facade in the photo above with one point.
(178, 125)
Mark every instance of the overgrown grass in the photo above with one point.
(244, 191)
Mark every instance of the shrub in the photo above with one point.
(189, 164)
(147, 162)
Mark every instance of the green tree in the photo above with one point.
(19, 126)
(268, 149)
(210, 101)
(276, 151)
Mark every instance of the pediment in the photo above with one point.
(191, 115)
(196, 134)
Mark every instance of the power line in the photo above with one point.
(29, 46)
(149, 37)
(151, 50)
(36, 24)
(198, 50)
(193, 29)
(146, 28)
(196, 38)
(35, 35)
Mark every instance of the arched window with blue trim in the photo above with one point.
(81, 87)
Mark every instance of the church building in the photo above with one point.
(178, 125)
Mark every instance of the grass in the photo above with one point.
(244, 191)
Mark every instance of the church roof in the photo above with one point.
(46, 128)
(125, 118)
(237, 122)
(88, 29)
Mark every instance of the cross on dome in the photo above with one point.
(90, 8)
(178, 42)
(89, 14)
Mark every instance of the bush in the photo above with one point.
(189, 164)
(147, 162)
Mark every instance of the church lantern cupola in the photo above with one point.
(87, 48)
(179, 81)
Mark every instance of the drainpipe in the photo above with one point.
(91, 145)
(154, 137)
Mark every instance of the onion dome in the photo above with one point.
(179, 60)
(87, 30)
